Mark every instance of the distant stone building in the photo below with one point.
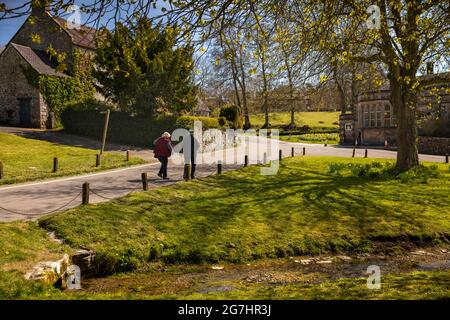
(201, 108)
(22, 104)
(373, 121)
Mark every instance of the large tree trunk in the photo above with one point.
(405, 102)
(266, 99)
(341, 93)
(247, 124)
(243, 85)
(292, 124)
(292, 102)
(266, 112)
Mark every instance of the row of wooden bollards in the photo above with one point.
(186, 173)
(56, 164)
(187, 170)
(98, 161)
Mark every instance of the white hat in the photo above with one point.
(166, 135)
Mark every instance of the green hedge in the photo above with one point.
(187, 122)
(123, 128)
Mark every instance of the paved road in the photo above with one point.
(36, 199)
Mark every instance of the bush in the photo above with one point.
(90, 104)
(89, 120)
(232, 113)
(421, 174)
(434, 128)
(376, 169)
(187, 122)
(223, 121)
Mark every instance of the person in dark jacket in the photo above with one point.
(163, 151)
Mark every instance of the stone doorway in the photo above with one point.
(25, 112)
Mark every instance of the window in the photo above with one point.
(378, 115)
(366, 116)
(389, 117)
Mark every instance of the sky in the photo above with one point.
(9, 27)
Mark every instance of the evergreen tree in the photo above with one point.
(144, 70)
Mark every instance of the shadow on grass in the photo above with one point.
(242, 216)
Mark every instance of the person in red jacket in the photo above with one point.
(162, 151)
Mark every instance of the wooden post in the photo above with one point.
(280, 155)
(85, 193)
(246, 161)
(265, 158)
(144, 181)
(98, 160)
(55, 164)
(304, 150)
(366, 153)
(219, 167)
(446, 160)
(105, 131)
(128, 155)
(292, 151)
(187, 172)
(353, 153)
(1, 170)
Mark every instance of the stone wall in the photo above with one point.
(14, 86)
(378, 136)
(434, 145)
(49, 32)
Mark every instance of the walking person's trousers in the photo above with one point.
(163, 169)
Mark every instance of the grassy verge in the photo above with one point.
(22, 245)
(315, 120)
(242, 215)
(28, 159)
(319, 138)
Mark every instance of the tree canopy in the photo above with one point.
(143, 70)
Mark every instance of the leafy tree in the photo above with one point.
(407, 35)
(144, 70)
(401, 35)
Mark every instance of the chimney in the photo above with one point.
(430, 67)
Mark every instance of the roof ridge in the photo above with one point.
(84, 37)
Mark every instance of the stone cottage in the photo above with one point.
(21, 104)
(373, 122)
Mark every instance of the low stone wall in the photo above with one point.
(434, 145)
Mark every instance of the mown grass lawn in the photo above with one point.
(29, 159)
(316, 120)
(317, 138)
(242, 215)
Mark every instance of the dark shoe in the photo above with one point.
(192, 177)
(160, 174)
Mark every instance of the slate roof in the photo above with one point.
(1, 49)
(38, 60)
(83, 37)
